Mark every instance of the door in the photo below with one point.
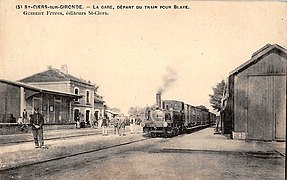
(76, 115)
(88, 117)
(57, 111)
(280, 107)
(260, 111)
(96, 115)
(266, 108)
(37, 104)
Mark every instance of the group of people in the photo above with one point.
(135, 124)
(23, 121)
(118, 123)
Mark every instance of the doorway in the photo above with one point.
(88, 117)
(266, 114)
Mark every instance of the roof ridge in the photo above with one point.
(265, 49)
(60, 73)
(69, 76)
(261, 49)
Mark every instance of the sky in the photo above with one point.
(130, 53)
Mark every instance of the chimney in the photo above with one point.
(64, 68)
(158, 99)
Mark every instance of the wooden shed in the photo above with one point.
(254, 103)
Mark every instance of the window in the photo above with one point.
(87, 97)
(76, 91)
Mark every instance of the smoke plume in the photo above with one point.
(169, 78)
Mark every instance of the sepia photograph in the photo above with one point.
(148, 90)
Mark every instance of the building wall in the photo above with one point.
(270, 65)
(82, 91)
(56, 109)
(82, 103)
(227, 115)
(56, 86)
(69, 87)
(10, 101)
(99, 107)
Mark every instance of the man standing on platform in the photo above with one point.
(104, 125)
(138, 125)
(122, 124)
(37, 122)
(115, 121)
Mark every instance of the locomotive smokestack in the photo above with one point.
(158, 99)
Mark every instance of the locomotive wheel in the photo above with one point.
(148, 133)
(173, 133)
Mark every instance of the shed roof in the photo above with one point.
(112, 112)
(256, 56)
(53, 75)
(30, 87)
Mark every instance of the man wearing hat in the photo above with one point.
(37, 122)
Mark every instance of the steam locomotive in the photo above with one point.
(171, 118)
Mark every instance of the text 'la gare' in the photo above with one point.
(103, 7)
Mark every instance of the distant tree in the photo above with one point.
(136, 110)
(215, 98)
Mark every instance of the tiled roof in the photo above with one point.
(27, 86)
(53, 75)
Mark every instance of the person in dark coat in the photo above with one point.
(138, 125)
(37, 122)
(115, 120)
(104, 125)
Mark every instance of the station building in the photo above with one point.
(254, 100)
(99, 108)
(56, 106)
(83, 109)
